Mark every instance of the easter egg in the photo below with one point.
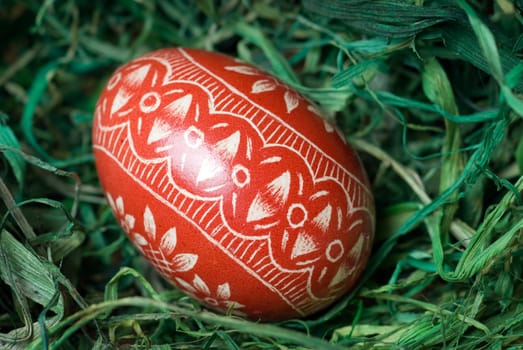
(231, 184)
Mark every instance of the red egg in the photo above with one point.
(231, 184)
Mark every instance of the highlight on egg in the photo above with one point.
(231, 184)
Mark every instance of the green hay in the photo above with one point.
(429, 92)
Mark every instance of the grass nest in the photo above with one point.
(429, 92)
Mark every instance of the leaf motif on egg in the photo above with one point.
(243, 70)
(263, 86)
(221, 299)
(184, 262)
(166, 260)
(290, 97)
(291, 100)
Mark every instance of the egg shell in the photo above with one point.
(231, 184)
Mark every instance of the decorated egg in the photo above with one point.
(231, 184)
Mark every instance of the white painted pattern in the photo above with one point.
(304, 244)
(169, 240)
(263, 85)
(160, 130)
(260, 209)
(229, 147)
(297, 215)
(178, 108)
(279, 188)
(150, 102)
(122, 97)
(267, 116)
(292, 292)
(254, 262)
(258, 252)
(322, 220)
(291, 100)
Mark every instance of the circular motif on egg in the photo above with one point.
(230, 183)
